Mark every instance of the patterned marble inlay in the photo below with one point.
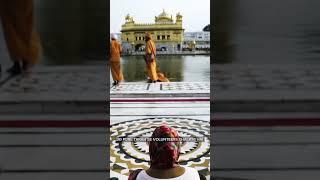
(47, 82)
(183, 87)
(127, 156)
(186, 86)
(129, 87)
(268, 78)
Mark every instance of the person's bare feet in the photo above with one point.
(15, 69)
(26, 67)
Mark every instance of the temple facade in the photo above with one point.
(167, 33)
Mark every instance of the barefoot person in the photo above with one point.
(150, 58)
(164, 156)
(151, 61)
(115, 65)
(22, 40)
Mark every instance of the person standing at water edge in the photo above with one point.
(150, 58)
(22, 40)
(115, 65)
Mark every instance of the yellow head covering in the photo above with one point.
(148, 35)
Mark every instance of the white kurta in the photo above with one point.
(189, 174)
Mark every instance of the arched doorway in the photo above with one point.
(138, 47)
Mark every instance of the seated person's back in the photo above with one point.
(164, 156)
(179, 173)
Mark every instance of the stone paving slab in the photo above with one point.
(75, 81)
(268, 95)
(54, 116)
(265, 88)
(64, 157)
(56, 89)
(285, 151)
(282, 159)
(49, 82)
(252, 158)
(26, 152)
(265, 77)
(172, 89)
(58, 107)
(264, 115)
(120, 119)
(271, 152)
(239, 88)
(160, 111)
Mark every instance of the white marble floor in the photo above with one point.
(141, 115)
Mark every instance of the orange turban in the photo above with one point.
(148, 35)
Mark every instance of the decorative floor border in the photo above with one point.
(259, 122)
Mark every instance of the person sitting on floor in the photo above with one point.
(164, 156)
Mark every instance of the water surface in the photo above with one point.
(176, 68)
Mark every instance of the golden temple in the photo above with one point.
(167, 33)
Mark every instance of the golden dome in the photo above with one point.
(164, 14)
(129, 19)
(164, 17)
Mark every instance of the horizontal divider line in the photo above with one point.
(265, 122)
(267, 144)
(54, 123)
(267, 131)
(260, 122)
(159, 100)
(5, 171)
(198, 107)
(51, 132)
(107, 145)
(53, 146)
(163, 102)
(268, 169)
(153, 115)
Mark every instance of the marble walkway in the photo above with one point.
(240, 152)
(138, 117)
(234, 88)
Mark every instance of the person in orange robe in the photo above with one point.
(151, 65)
(153, 73)
(162, 78)
(115, 65)
(23, 42)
